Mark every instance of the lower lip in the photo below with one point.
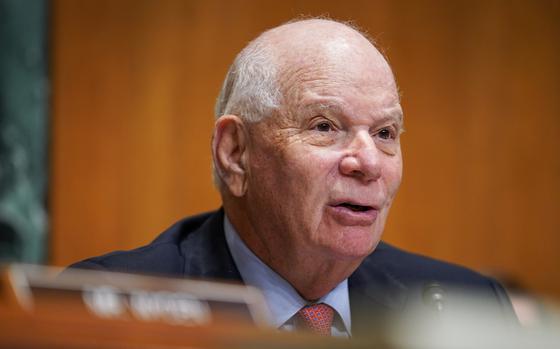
(346, 216)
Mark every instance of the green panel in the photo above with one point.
(23, 129)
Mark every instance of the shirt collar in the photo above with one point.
(282, 299)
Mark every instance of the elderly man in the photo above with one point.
(307, 159)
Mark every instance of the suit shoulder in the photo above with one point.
(162, 256)
(412, 267)
(399, 279)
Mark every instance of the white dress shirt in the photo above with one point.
(283, 300)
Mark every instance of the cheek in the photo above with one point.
(300, 176)
(318, 165)
(310, 176)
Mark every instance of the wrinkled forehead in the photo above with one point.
(348, 71)
(340, 78)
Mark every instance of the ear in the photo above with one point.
(229, 149)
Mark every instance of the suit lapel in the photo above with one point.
(206, 253)
(375, 295)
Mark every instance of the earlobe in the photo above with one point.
(229, 147)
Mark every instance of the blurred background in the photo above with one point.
(106, 113)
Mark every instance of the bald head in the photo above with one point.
(263, 75)
(316, 41)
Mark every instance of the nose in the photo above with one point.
(362, 159)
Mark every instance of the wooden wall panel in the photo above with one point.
(135, 83)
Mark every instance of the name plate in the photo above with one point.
(110, 295)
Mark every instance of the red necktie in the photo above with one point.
(317, 318)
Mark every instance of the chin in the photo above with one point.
(354, 244)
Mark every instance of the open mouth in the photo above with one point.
(351, 213)
(355, 208)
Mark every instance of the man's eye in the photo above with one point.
(324, 127)
(386, 133)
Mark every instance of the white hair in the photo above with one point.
(250, 89)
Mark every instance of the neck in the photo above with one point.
(314, 282)
(313, 275)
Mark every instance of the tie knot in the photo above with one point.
(317, 318)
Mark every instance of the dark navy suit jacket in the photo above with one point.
(388, 282)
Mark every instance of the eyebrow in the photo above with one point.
(392, 113)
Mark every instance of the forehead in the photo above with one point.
(348, 90)
(332, 68)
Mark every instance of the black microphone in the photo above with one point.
(434, 296)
